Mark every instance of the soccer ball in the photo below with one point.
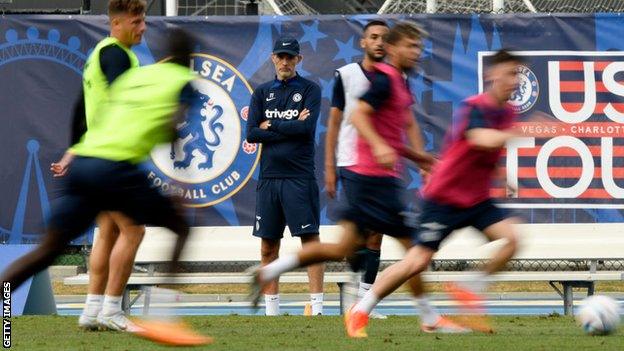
(599, 315)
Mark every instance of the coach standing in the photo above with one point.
(282, 117)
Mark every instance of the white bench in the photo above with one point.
(586, 244)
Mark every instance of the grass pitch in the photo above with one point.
(319, 333)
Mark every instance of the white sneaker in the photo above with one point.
(376, 315)
(88, 322)
(117, 321)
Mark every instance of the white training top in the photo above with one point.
(355, 84)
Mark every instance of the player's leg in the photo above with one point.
(368, 258)
(123, 253)
(143, 204)
(108, 232)
(371, 256)
(416, 260)
(382, 207)
(132, 195)
(436, 222)
(357, 262)
(431, 320)
(52, 245)
(269, 252)
(315, 252)
(99, 260)
(269, 227)
(315, 276)
(495, 224)
(502, 230)
(121, 264)
(300, 205)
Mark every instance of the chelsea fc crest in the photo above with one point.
(210, 160)
(525, 96)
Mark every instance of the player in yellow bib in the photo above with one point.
(142, 109)
(112, 255)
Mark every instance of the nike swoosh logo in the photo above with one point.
(285, 44)
(305, 226)
(267, 99)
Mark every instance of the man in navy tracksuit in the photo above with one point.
(282, 117)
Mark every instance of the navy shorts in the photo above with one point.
(437, 221)
(281, 201)
(376, 204)
(94, 185)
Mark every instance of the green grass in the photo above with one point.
(321, 333)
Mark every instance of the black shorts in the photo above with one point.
(437, 221)
(94, 185)
(376, 204)
(281, 201)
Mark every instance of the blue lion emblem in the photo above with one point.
(193, 126)
(518, 93)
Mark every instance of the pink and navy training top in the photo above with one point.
(389, 95)
(464, 174)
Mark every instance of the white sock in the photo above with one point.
(282, 265)
(364, 288)
(271, 305)
(93, 305)
(112, 305)
(428, 314)
(367, 303)
(316, 300)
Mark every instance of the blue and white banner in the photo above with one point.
(573, 72)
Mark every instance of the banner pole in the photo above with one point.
(498, 6)
(171, 8)
(530, 6)
(432, 6)
(384, 7)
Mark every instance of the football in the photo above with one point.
(599, 315)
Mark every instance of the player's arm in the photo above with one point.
(188, 97)
(489, 139)
(78, 128)
(415, 151)
(79, 120)
(331, 137)
(511, 190)
(361, 120)
(305, 125)
(254, 133)
(480, 136)
(114, 61)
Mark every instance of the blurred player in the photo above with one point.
(351, 82)
(282, 116)
(457, 194)
(141, 111)
(383, 119)
(112, 256)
